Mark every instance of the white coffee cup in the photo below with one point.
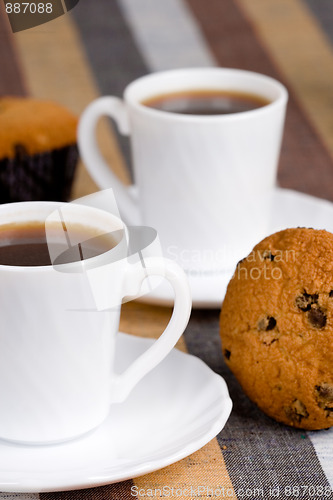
(57, 349)
(203, 182)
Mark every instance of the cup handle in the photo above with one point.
(122, 384)
(93, 159)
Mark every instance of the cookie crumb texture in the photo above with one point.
(277, 327)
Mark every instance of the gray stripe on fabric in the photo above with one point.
(110, 47)
(167, 33)
(260, 454)
(111, 50)
(323, 11)
(12, 79)
(116, 491)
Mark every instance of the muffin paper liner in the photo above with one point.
(46, 176)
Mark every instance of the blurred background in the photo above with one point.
(99, 47)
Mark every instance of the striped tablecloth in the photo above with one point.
(100, 47)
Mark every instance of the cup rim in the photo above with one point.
(70, 267)
(209, 71)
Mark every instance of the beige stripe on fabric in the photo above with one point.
(201, 475)
(303, 54)
(56, 68)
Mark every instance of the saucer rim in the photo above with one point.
(203, 281)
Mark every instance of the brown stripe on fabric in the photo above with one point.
(117, 491)
(303, 53)
(305, 163)
(11, 76)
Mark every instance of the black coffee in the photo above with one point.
(25, 244)
(206, 102)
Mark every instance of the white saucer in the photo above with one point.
(287, 209)
(175, 410)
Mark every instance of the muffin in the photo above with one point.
(276, 327)
(38, 152)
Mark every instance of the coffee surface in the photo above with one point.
(206, 102)
(25, 244)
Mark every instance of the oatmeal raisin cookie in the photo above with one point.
(277, 327)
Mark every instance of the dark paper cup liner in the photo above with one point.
(46, 176)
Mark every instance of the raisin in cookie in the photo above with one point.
(277, 327)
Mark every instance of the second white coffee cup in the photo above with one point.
(202, 181)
